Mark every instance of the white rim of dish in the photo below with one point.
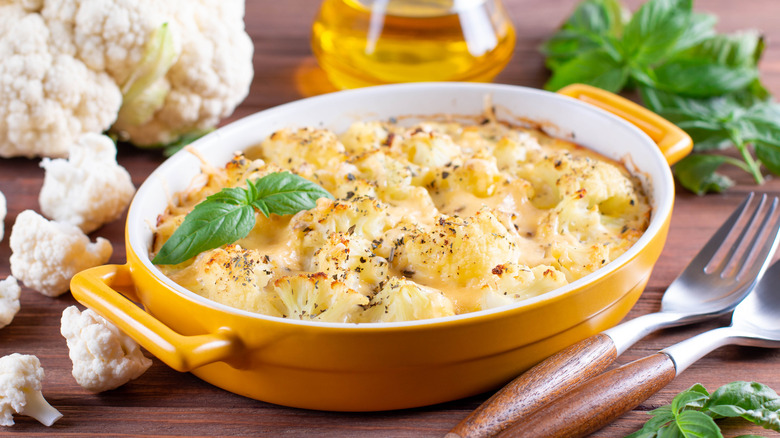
(661, 207)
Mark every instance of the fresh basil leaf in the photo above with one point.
(760, 123)
(752, 401)
(694, 397)
(600, 17)
(661, 418)
(593, 24)
(655, 28)
(229, 215)
(738, 49)
(697, 173)
(694, 423)
(702, 78)
(595, 68)
(220, 219)
(700, 28)
(285, 193)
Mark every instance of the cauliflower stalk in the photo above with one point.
(89, 188)
(21, 376)
(46, 255)
(152, 72)
(103, 357)
(9, 300)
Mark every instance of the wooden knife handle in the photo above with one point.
(598, 402)
(545, 382)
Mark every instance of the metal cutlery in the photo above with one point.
(755, 322)
(712, 284)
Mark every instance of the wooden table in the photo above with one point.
(167, 403)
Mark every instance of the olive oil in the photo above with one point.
(364, 42)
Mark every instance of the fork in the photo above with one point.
(712, 284)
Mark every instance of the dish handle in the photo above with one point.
(673, 142)
(98, 288)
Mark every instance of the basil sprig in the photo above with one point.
(707, 83)
(229, 215)
(693, 412)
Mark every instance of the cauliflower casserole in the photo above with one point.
(430, 220)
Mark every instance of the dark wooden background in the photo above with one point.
(164, 402)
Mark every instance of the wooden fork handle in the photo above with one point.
(598, 402)
(545, 382)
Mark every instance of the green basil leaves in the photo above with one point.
(693, 412)
(707, 83)
(229, 215)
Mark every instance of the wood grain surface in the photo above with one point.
(164, 402)
(599, 401)
(542, 384)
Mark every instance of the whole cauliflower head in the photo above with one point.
(190, 76)
(89, 188)
(9, 300)
(103, 357)
(48, 98)
(45, 255)
(21, 377)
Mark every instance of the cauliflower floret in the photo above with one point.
(46, 255)
(429, 148)
(303, 147)
(393, 179)
(361, 216)
(455, 249)
(362, 137)
(21, 377)
(351, 260)
(577, 260)
(233, 276)
(513, 149)
(404, 300)
(9, 300)
(316, 297)
(48, 98)
(478, 176)
(89, 188)
(200, 68)
(512, 282)
(103, 357)
(3, 212)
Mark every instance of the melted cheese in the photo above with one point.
(429, 220)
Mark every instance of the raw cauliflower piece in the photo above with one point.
(21, 377)
(316, 297)
(103, 357)
(404, 300)
(46, 255)
(512, 282)
(88, 189)
(9, 300)
(3, 212)
(48, 98)
(200, 67)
